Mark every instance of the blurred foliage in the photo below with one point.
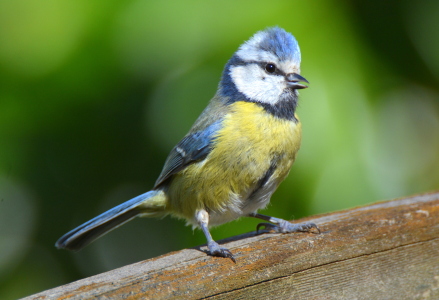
(94, 94)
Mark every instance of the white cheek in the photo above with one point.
(257, 85)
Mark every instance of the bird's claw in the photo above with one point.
(267, 226)
(217, 250)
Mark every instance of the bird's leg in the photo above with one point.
(202, 217)
(283, 226)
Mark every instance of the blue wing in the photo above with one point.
(193, 147)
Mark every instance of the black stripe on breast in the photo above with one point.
(261, 183)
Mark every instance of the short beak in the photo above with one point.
(293, 80)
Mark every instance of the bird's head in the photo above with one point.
(265, 69)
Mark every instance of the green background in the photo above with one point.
(94, 94)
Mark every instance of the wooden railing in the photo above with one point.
(387, 250)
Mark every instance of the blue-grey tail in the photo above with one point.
(86, 233)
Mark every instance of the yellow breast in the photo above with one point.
(242, 152)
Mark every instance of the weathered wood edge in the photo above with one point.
(191, 274)
(405, 272)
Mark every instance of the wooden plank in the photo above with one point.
(388, 250)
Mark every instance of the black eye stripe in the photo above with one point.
(264, 66)
(237, 61)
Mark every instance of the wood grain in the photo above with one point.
(387, 250)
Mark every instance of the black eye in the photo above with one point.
(270, 68)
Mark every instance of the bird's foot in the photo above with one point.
(217, 250)
(282, 226)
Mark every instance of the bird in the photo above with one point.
(236, 154)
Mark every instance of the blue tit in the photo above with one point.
(239, 150)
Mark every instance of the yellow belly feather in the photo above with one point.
(241, 155)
